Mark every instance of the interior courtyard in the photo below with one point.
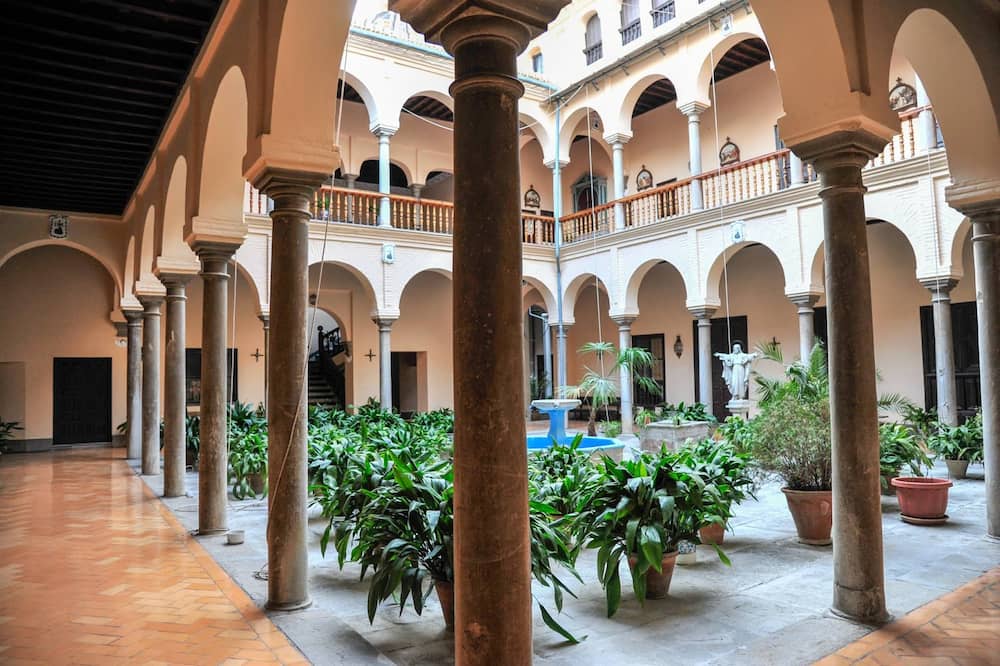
(291, 283)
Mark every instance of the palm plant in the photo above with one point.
(898, 448)
(600, 387)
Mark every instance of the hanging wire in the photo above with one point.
(722, 205)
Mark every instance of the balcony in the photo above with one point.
(663, 12)
(749, 179)
(629, 32)
(594, 53)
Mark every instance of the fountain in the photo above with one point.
(556, 410)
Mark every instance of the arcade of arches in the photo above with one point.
(434, 204)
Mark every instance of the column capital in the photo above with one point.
(693, 108)
(146, 289)
(265, 318)
(151, 303)
(702, 311)
(841, 148)
(939, 286)
(551, 164)
(517, 21)
(175, 283)
(277, 183)
(617, 138)
(979, 200)
(804, 300)
(133, 317)
(384, 322)
(383, 130)
(218, 231)
(215, 251)
(624, 320)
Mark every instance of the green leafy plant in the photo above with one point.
(738, 432)
(6, 433)
(192, 436)
(248, 462)
(683, 412)
(898, 448)
(562, 477)
(643, 417)
(724, 466)
(600, 387)
(611, 428)
(962, 442)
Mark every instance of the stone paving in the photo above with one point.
(95, 570)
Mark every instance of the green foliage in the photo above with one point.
(898, 448)
(6, 433)
(696, 411)
(738, 432)
(562, 477)
(442, 420)
(601, 386)
(611, 428)
(962, 442)
(538, 386)
(643, 417)
(724, 465)
(192, 434)
(247, 437)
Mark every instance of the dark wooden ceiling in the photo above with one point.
(87, 88)
(748, 53)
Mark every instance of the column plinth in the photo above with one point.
(134, 383)
(174, 390)
(859, 579)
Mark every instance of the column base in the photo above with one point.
(991, 538)
(872, 615)
(214, 531)
(288, 606)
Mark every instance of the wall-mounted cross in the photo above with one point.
(370, 355)
(257, 355)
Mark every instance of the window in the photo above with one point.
(663, 11)
(631, 29)
(536, 63)
(592, 40)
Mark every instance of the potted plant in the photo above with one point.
(192, 437)
(898, 448)
(679, 424)
(791, 439)
(248, 463)
(640, 511)
(600, 387)
(728, 470)
(6, 430)
(611, 428)
(958, 445)
(643, 417)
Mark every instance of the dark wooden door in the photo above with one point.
(820, 327)
(81, 400)
(965, 340)
(654, 345)
(736, 328)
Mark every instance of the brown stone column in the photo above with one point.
(265, 319)
(858, 576)
(385, 360)
(134, 383)
(980, 201)
(174, 395)
(704, 317)
(492, 555)
(151, 384)
(944, 352)
(212, 456)
(288, 350)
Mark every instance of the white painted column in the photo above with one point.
(797, 175)
(617, 142)
(926, 136)
(416, 189)
(693, 112)
(944, 350)
(625, 377)
(561, 334)
(384, 133)
(704, 317)
(385, 360)
(807, 332)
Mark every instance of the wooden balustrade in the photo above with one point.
(738, 182)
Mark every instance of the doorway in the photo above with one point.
(965, 346)
(736, 328)
(81, 400)
(654, 345)
(405, 383)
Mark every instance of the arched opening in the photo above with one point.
(663, 328)
(440, 186)
(222, 184)
(421, 355)
(592, 40)
(175, 214)
(399, 183)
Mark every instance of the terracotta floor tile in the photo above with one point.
(143, 593)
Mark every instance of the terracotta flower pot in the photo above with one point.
(713, 533)
(658, 584)
(812, 511)
(957, 469)
(922, 497)
(446, 597)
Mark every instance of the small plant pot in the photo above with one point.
(446, 597)
(234, 537)
(687, 553)
(658, 584)
(957, 469)
(922, 498)
(712, 534)
(812, 511)
(256, 482)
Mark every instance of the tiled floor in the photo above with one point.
(95, 570)
(962, 627)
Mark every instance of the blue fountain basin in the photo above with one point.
(588, 444)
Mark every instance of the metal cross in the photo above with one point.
(257, 355)
(370, 355)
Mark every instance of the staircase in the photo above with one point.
(320, 392)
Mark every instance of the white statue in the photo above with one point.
(736, 370)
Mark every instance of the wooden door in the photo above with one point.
(81, 400)
(965, 346)
(722, 331)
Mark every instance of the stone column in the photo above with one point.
(133, 384)
(212, 456)
(926, 134)
(287, 457)
(384, 133)
(693, 112)
(385, 360)
(562, 333)
(174, 393)
(625, 377)
(617, 143)
(416, 188)
(797, 175)
(944, 349)
(858, 576)
(547, 351)
(980, 202)
(493, 619)
(265, 319)
(704, 317)
(151, 383)
(807, 333)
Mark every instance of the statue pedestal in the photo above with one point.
(740, 408)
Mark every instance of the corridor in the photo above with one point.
(95, 570)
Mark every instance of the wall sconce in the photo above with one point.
(678, 347)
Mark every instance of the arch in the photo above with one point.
(638, 275)
(368, 172)
(572, 293)
(547, 296)
(222, 185)
(535, 126)
(129, 275)
(147, 251)
(436, 270)
(818, 263)
(108, 265)
(369, 100)
(572, 123)
(244, 272)
(175, 213)
(634, 92)
(714, 51)
(393, 107)
(957, 89)
(958, 239)
(714, 277)
(362, 279)
(592, 33)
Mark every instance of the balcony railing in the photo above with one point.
(630, 32)
(746, 180)
(663, 12)
(593, 53)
